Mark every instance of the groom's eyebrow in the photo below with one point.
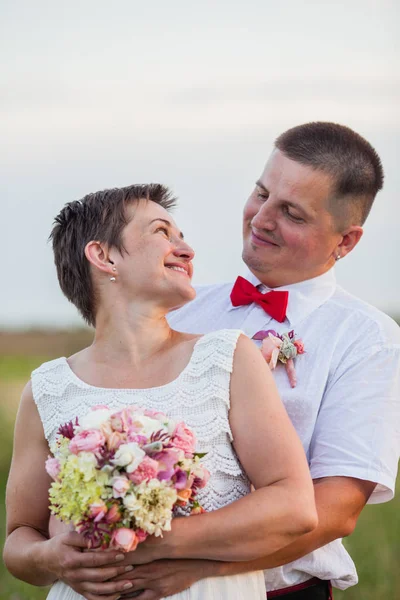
(169, 225)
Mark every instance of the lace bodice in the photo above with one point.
(199, 396)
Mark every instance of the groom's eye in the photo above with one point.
(263, 196)
(294, 218)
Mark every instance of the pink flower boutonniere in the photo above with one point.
(283, 348)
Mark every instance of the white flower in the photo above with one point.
(151, 506)
(150, 425)
(87, 462)
(129, 456)
(94, 419)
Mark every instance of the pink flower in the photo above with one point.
(147, 469)
(133, 436)
(299, 346)
(154, 414)
(100, 407)
(124, 539)
(97, 510)
(270, 349)
(201, 481)
(89, 440)
(184, 495)
(184, 438)
(122, 420)
(113, 515)
(52, 467)
(141, 535)
(115, 439)
(291, 373)
(197, 510)
(167, 460)
(180, 479)
(120, 486)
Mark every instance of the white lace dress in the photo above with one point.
(200, 397)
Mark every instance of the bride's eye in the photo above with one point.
(164, 230)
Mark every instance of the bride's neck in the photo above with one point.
(130, 337)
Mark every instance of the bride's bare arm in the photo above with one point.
(28, 553)
(280, 510)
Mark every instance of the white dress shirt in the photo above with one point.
(346, 404)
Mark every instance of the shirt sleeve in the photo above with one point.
(357, 432)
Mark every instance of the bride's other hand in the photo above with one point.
(164, 578)
(87, 572)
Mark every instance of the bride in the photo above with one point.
(124, 263)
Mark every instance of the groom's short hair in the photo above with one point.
(353, 164)
(100, 216)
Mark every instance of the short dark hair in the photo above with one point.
(354, 165)
(101, 216)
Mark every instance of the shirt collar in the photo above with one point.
(304, 296)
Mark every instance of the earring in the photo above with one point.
(114, 269)
(113, 279)
(338, 257)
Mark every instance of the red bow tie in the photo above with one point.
(274, 303)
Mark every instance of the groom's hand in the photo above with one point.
(164, 578)
(87, 572)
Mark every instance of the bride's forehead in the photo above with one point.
(146, 211)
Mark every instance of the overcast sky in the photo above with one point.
(96, 94)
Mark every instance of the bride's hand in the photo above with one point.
(165, 578)
(87, 573)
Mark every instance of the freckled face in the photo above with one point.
(288, 233)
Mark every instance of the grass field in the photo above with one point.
(374, 546)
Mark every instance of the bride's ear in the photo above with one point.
(97, 254)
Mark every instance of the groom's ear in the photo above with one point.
(97, 254)
(350, 238)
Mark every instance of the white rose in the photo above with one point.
(94, 419)
(129, 456)
(150, 425)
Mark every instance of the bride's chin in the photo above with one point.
(180, 300)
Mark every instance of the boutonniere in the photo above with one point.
(283, 348)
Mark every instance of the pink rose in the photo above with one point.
(115, 439)
(52, 467)
(147, 469)
(120, 486)
(270, 349)
(113, 515)
(299, 346)
(124, 539)
(184, 495)
(121, 421)
(141, 535)
(184, 438)
(197, 510)
(89, 440)
(97, 510)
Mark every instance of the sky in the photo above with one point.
(95, 94)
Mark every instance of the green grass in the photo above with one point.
(16, 368)
(374, 546)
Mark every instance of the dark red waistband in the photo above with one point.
(294, 588)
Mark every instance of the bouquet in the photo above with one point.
(121, 476)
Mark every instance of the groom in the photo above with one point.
(305, 213)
